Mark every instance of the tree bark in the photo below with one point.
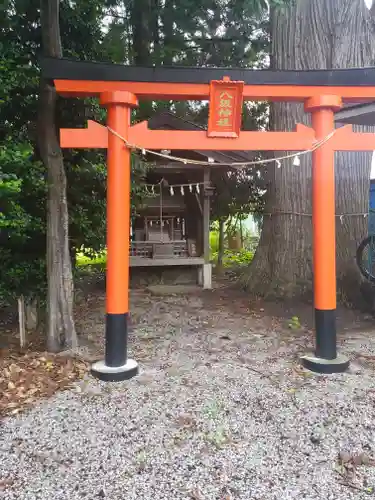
(167, 19)
(32, 314)
(155, 10)
(312, 34)
(221, 249)
(61, 331)
(140, 17)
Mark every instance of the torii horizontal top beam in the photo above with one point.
(67, 69)
(77, 78)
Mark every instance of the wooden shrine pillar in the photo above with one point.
(116, 365)
(206, 271)
(325, 358)
(206, 216)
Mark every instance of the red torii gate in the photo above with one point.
(119, 88)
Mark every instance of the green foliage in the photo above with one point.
(22, 223)
(23, 186)
(235, 258)
(294, 323)
(214, 241)
(249, 240)
(99, 260)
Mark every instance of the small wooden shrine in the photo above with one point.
(172, 226)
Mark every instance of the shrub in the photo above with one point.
(235, 258)
(214, 241)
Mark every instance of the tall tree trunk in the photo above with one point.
(140, 21)
(167, 19)
(312, 34)
(60, 324)
(155, 10)
(142, 31)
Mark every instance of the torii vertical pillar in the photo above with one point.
(116, 366)
(325, 359)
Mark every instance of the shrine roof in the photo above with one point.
(357, 114)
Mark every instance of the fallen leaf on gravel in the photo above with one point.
(366, 356)
(349, 460)
(27, 377)
(196, 494)
(4, 483)
(186, 421)
(361, 459)
(344, 457)
(300, 371)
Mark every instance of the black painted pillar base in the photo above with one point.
(328, 366)
(325, 359)
(107, 373)
(116, 366)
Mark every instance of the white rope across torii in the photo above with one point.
(278, 160)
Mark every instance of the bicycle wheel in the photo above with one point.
(366, 258)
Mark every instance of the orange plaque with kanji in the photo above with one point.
(225, 112)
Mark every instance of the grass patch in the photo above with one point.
(232, 259)
(218, 438)
(213, 409)
(99, 261)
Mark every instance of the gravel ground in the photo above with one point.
(220, 411)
